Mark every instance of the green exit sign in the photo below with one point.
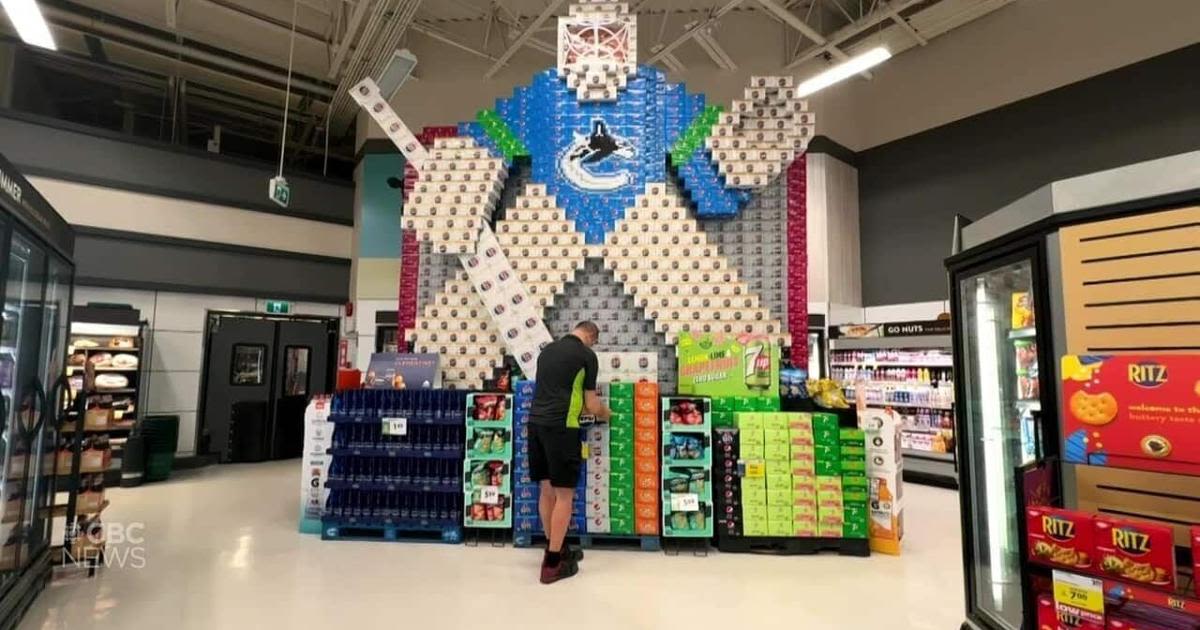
(280, 192)
(279, 307)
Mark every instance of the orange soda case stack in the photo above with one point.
(646, 459)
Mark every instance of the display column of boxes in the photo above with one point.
(645, 426)
(396, 461)
(727, 483)
(687, 467)
(610, 484)
(486, 471)
(526, 521)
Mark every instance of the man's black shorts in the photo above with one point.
(555, 454)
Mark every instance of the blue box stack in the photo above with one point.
(400, 483)
(526, 522)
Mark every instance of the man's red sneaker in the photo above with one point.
(563, 570)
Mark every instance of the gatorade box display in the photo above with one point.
(1060, 537)
(1135, 550)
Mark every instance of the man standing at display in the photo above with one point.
(566, 390)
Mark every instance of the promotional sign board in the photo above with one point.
(1132, 411)
(724, 365)
(892, 329)
(401, 370)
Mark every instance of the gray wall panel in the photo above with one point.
(911, 189)
(66, 151)
(137, 261)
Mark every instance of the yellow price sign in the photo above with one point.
(756, 470)
(1079, 593)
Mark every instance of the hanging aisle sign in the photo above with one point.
(893, 329)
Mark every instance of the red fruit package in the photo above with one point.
(1136, 551)
(1060, 537)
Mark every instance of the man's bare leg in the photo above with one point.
(546, 500)
(560, 520)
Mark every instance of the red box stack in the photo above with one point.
(797, 244)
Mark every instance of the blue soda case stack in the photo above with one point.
(410, 481)
(525, 490)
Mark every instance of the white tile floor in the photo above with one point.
(222, 552)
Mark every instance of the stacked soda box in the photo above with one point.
(486, 472)
(797, 254)
(726, 407)
(687, 467)
(804, 476)
(526, 521)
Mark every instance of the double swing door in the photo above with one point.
(260, 372)
(33, 330)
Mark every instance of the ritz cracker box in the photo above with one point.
(1132, 411)
(1060, 537)
(1136, 551)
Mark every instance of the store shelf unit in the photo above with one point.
(913, 375)
(489, 442)
(397, 467)
(687, 507)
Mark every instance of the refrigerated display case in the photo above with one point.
(38, 273)
(999, 350)
(1023, 296)
(387, 332)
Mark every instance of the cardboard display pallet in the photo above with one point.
(787, 546)
(594, 541)
(449, 534)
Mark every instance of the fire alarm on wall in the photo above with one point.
(349, 309)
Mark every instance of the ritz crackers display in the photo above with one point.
(1060, 537)
(1136, 550)
(1132, 411)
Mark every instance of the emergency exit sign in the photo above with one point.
(280, 192)
(279, 307)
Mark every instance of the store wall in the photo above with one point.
(911, 189)
(64, 151)
(376, 271)
(175, 344)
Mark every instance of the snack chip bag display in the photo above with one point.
(827, 393)
(1060, 537)
(1136, 551)
(1132, 411)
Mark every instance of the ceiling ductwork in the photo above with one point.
(384, 25)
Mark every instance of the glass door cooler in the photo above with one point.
(1002, 348)
(37, 273)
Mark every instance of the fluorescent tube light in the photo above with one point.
(27, 18)
(848, 68)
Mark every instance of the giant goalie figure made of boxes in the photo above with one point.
(597, 131)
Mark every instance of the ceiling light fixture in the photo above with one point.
(27, 18)
(848, 68)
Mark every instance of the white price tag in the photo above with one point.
(395, 426)
(685, 502)
(489, 495)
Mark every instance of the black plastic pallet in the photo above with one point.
(376, 533)
(594, 541)
(786, 546)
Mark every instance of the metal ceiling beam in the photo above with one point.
(438, 34)
(167, 47)
(791, 20)
(850, 30)
(172, 14)
(714, 51)
(903, 23)
(356, 18)
(691, 32)
(262, 19)
(524, 37)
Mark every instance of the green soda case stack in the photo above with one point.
(756, 516)
(856, 491)
(621, 479)
(725, 408)
(495, 128)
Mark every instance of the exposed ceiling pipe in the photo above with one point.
(691, 32)
(525, 36)
(380, 38)
(166, 46)
(356, 17)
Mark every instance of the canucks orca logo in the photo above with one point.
(596, 161)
